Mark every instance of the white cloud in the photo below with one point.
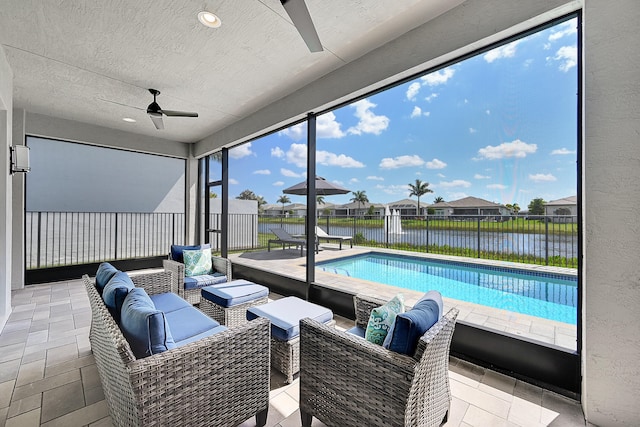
(297, 155)
(277, 152)
(241, 151)
(413, 90)
(455, 183)
(392, 189)
(436, 164)
(568, 57)
(335, 181)
(497, 187)
(375, 178)
(431, 97)
(546, 46)
(328, 127)
(233, 181)
(401, 162)
(438, 77)
(369, 121)
(517, 149)
(262, 172)
(562, 151)
(472, 130)
(456, 195)
(527, 63)
(441, 175)
(289, 173)
(506, 51)
(426, 113)
(417, 112)
(488, 112)
(278, 184)
(564, 29)
(326, 158)
(478, 176)
(354, 180)
(540, 177)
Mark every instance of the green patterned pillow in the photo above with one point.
(197, 263)
(382, 318)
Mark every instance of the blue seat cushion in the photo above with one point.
(189, 322)
(144, 326)
(285, 315)
(196, 282)
(234, 292)
(410, 326)
(205, 334)
(357, 330)
(176, 251)
(115, 292)
(168, 302)
(103, 275)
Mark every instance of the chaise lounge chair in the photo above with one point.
(284, 238)
(321, 234)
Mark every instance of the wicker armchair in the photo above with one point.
(348, 381)
(221, 265)
(220, 380)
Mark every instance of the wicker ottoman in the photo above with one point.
(285, 315)
(227, 303)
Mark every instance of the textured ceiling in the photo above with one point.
(93, 60)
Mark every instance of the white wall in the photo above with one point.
(19, 180)
(611, 328)
(6, 118)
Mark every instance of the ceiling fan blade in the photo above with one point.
(299, 14)
(172, 113)
(157, 121)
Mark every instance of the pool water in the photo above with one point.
(546, 295)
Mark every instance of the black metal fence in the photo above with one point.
(70, 238)
(544, 240)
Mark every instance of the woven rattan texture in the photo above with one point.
(348, 381)
(229, 316)
(193, 296)
(220, 380)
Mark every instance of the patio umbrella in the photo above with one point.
(323, 188)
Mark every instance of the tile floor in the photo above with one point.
(48, 376)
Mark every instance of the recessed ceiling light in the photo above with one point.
(208, 19)
(129, 120)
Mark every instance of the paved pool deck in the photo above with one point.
(289, 263)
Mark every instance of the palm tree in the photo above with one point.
(360, 197)
(320, 200)
(284, 199)
(419, 189)
(438, 199)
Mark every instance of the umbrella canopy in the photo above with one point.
(323, 188)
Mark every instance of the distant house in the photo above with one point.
(358, 209)
(294, 209)
(407, 207)
(471, 206)
(562, 207)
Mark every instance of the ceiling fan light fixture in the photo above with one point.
(209, 19)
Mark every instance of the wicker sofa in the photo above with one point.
(348, 381)
(221, 380)
(193, 294)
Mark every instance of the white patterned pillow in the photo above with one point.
(197, 263)
(382, 319)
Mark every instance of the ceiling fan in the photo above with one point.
(299, 14)
(155, 112)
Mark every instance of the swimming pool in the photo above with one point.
(541, 294)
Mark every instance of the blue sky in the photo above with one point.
(500, 126)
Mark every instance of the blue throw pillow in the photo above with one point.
(410, 326)
(115, 292)
(103, 275)
(176, 251)
(144, 326)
